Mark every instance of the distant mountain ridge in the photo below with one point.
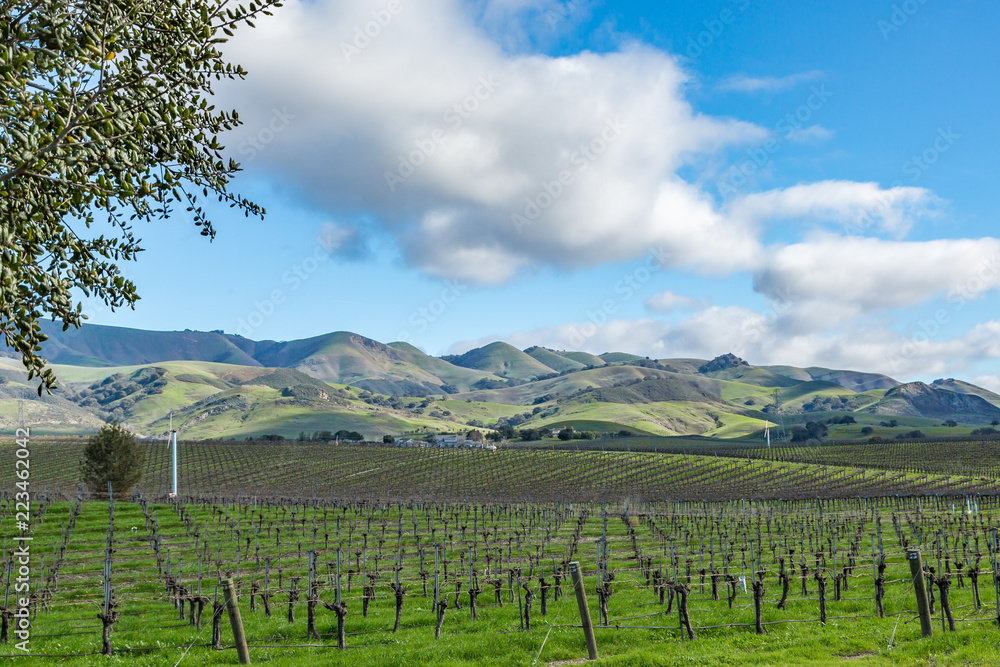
(217, 383)
(916, 399)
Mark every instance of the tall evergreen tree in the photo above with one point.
(112, 455)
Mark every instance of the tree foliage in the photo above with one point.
(112, 455)
(106, 120)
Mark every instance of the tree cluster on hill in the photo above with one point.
(846, 419)
(811, 431)
(114, 397)
(570, 433)
(836, 403)
(329, 436)
(486, 384)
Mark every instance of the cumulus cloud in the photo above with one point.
(749, 84)
(480, 162)
(521, 24)
(762, 339)
(854, 207)
(869, 274)
(483, 160)
(344, 241)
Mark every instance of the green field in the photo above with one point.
(154, 539)
(651, 525)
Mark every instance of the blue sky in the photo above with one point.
(860, 233)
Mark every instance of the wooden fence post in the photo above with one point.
(920, 587)
(581, 601)
(235, 620)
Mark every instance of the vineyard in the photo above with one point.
(388, 556)
(389, 473)
(974, 458)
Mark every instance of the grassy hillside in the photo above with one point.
(348, 358)
(52, 413)
(554, 360)
(583, 358)
(674, 418)
(503, 360)
(853, 380)
(215, 400)
(618, 357)
(223, 385)
(526, 394)
(97, 345)
(447, 374)
(753, 375)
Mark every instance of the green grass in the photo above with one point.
(524, 509)
(503, 360)
(148, 618)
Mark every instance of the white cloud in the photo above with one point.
(615, 125)
(749, 84)
(520, 24)
(991, 382)
(869, 274)
(345, 241)
(855, 207)
(482, 162)
(669, 301)
(450, 142)
(762, 339)
(810, 134)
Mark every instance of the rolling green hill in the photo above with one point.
(618, 357)
(583, 358)
(96, 345)
(503, 360)
(554, 360)
(220, 385)
(853, 380)
(208, 400)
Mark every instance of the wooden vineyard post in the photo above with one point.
(581, 601)
(235, 620)
(920, 587)
(996, 575)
